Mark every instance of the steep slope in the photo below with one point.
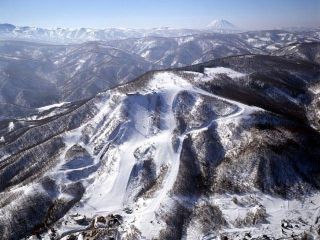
(24, 74)
(171, 155)
(271, 83)
(34, 75)
(8, 110)
(306, 51)
(83, 70)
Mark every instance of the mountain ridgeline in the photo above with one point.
(67, 35)
(171, 155)
(38, 74)
(182, 135)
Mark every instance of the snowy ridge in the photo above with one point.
(68, 35)
(79, 71)
(109, 191)
(168, 155)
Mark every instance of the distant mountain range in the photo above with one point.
(66, 35)
(37, 74)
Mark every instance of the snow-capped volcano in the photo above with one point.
(221, 24)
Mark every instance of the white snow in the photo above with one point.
(41, 109)
(127, 118)
(145, 54)
(215, 72)
(80, 64)
(10, 126)
(221, 24)
(251, 40)
(292, 47)
(272, 47)
(278, 209)
(109, 193)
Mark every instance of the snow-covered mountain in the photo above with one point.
(36, 74)
(309, 51)
(67, 35)
(80, 35)
(221, 24)
(227, 149)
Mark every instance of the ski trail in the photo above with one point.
(108, 192)
(147, 213)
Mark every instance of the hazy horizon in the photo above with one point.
(247, 14)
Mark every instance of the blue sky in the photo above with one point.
(249, 14)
